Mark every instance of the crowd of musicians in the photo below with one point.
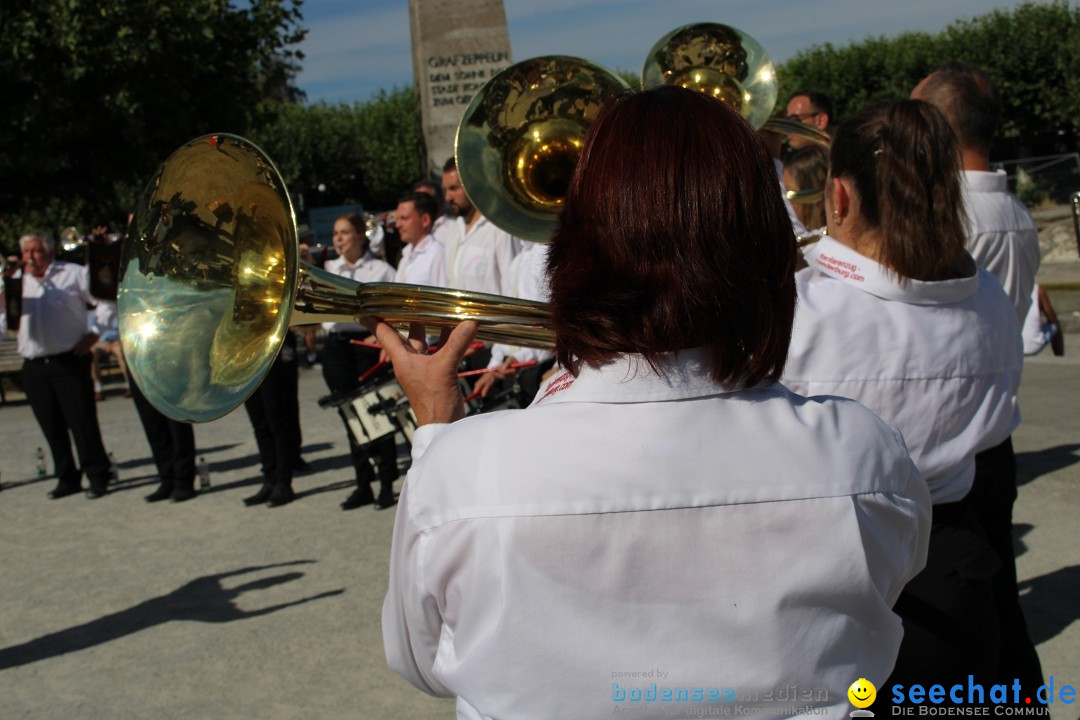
(693, 487)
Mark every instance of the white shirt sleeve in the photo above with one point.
(411, 629)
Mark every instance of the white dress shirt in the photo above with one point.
(630, 522)
(939, 361)
(479, 258)
(527, 280)
(104, 321)
(54, 310)
(446, 229)
(1002, 236)
(368, 269)
(423, 264)
(1036, 335)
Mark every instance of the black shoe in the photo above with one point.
(360, 497)
(163, 492)
(386, 500)
(63, 490)
(182, 492)
(282, 495)
(96, 490)
(260, 497)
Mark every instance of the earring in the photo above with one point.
(836, 218)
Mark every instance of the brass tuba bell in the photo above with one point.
(520, 137)
(210, 282)
(726, 63)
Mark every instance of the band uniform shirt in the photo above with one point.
(479, 257)
(1036, 334)
(445, 229)
(939, 361)
(764, 550)
(54, 310)
(368, 269)
(423, 264)
(1002, 235)
(527, 280)
(104, 321)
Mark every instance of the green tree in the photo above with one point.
(96, 93)
(1031, 52)
(367, 153)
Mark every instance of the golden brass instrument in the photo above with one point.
(210, 282)
(71, 239)
(726, 63)
(519, 139)
(372, 228)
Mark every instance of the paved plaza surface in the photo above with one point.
(115, 608)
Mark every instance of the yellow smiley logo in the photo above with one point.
(862, 693)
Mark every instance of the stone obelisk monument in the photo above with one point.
(457, 45)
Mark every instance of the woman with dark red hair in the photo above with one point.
(665, 526)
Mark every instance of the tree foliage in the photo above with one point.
(1031, 52)
(367, 153)
(97, 93)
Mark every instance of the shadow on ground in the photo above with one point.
(204, 599)
(1049, 602)
(1032, 465)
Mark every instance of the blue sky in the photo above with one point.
(356, 47)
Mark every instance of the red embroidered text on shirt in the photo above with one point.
(557, 384)
(840, 267)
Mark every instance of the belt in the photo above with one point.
(46, 359)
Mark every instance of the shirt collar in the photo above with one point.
(982, 181)
(839, 261)
(423, 245)
(480, 222)
(630, 379)
(360, 262)
(53, 267)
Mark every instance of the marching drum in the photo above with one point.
(375, 412)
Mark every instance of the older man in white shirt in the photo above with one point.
(55, 345)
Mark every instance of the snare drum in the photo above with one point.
(376, 412)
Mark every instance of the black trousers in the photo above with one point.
(172, 443)
(343, 362)
(950, 621)
(274, 411)
(61, 394)
(991, 499)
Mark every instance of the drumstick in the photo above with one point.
(481, 371)
(372, 369)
